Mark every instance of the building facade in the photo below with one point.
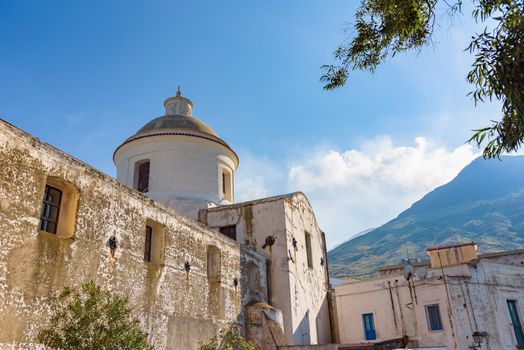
(284, 230)
(63, 222)
(457, 300)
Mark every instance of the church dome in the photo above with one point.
(176, 122)
(178, 160)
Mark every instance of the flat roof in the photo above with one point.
(450, 246)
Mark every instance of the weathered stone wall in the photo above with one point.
(176, 307)
(299, 291)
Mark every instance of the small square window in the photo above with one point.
(433, 317)
(229, 231)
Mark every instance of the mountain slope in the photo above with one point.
(484, 203)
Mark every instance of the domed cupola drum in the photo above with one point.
(178, 160)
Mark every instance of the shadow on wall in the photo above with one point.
(323, 324)
(301, 335)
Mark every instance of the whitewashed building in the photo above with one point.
(458, 300)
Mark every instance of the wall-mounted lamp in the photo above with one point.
(478, 337)
(187, 266)
(294, 242)
(270, 240)
(235, 282)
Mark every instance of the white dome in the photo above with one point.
(178, 160)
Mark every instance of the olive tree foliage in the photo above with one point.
(228, 339)
(384, 28)
(92, 318)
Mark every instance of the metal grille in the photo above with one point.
(50, 209)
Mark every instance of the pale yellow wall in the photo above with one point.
(178, 309)
(373, 296)
(472, 297)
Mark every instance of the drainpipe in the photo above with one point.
(393, 306)
(413, 304)
(450, 312)
(403, 324)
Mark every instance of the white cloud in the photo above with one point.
(355, 189)
(379, 162)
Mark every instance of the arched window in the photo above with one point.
(213, 264)
(141, 179)
(59, 207)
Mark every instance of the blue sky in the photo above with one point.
(85, 75)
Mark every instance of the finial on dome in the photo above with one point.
(178, 105)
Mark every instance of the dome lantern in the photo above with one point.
(178, 105)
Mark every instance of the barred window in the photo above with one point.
(50, 209)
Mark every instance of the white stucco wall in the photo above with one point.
(185, 171)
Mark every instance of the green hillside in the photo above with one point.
(484, 203)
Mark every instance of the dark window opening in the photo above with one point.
(227, 190)
(143, 177)
(515, 321)
(308, 251)
(149, 241)
(433, 315)
(50, 209)
(229, 231)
